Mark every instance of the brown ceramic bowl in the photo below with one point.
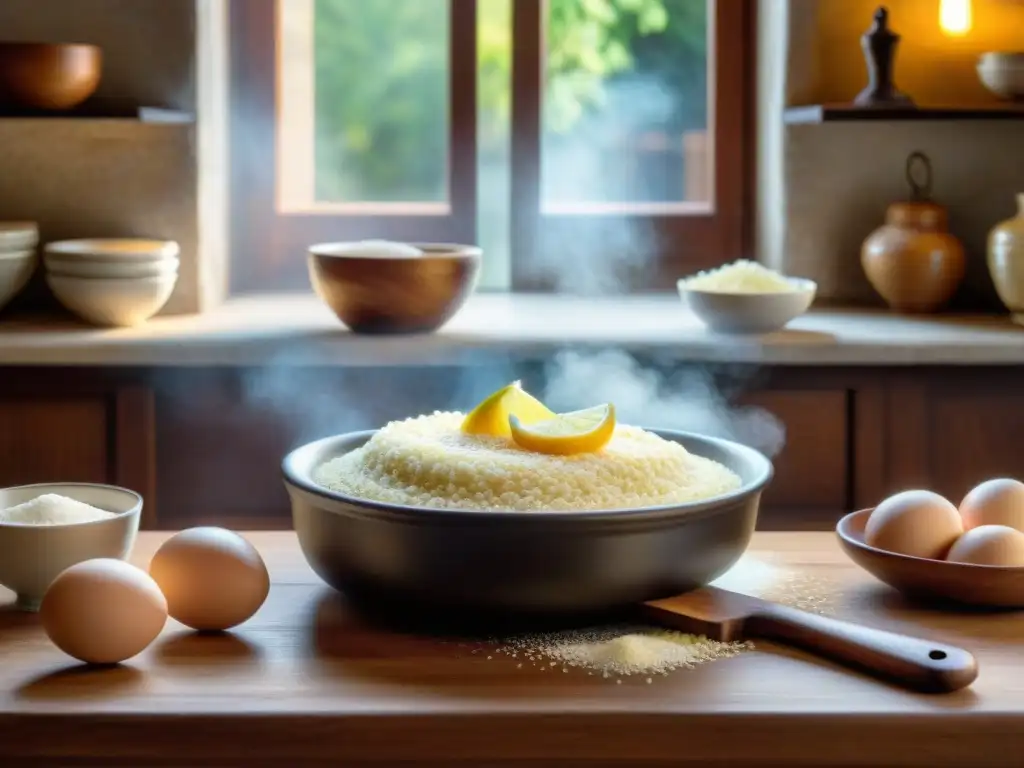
(932, 580)
(48, 76)
(392, 295)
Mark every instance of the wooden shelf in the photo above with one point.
(846, 113)
(154, 115)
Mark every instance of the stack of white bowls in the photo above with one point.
(18, 241)
(112, 282)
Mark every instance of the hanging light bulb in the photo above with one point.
(955, 17)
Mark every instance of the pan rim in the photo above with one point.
(297, 470)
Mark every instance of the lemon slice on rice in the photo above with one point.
(492, 416)
(567, 434)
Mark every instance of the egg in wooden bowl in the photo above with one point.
(927, 548)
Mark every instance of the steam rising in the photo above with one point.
(309, 404)
(594, 258)
(688, 401)
(588, 260)
(597, 261)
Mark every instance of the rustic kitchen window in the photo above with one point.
(577, 141)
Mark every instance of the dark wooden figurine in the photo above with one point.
(879, 44)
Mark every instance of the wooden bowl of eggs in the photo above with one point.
(921, 544)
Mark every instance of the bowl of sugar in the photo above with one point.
(47, 528)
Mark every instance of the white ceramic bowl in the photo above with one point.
(18, 236)
(1003, 74)
(121, 302)
(117, 250)
(32, 556)
(749, 313)
(16, 270)
(74, 266)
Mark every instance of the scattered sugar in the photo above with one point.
(808, 592)
(626, 651)
(794, 588)
(52, 509)
(619, 651)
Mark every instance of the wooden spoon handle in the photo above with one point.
(921, 665)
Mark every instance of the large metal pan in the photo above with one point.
(537, 563)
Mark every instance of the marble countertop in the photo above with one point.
(298, 330)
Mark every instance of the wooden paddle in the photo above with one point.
(920, 665)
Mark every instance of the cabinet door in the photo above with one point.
(809, 489)
(952, 432)
(101, 436)
(53, 440)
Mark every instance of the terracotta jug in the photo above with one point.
(1006, 261)
(913, 261)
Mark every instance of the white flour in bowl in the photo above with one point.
(53, 509)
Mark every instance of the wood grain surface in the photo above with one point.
(307, 682)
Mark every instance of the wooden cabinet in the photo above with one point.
(60, 430)
(812, 467)
(204, 446)
(46, 439)
(952, 430)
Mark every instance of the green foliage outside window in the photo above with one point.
(382, 81)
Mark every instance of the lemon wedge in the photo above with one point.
(492, 416)
(567, 434)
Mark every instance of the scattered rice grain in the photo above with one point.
(620, 651)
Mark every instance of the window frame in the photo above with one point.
(267, 245)
(681, 243)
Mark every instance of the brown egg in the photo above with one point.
(915, 523)
(994, 502)
(213, 578)
(989, 545)
(103, 611)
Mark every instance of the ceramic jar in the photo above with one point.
(913, 261)
(1006, 261)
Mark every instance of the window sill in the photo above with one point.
(299, 330)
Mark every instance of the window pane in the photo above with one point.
(626, 106)
(364, 104)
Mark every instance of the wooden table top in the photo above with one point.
(306, 682)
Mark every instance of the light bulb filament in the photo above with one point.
(955, 17)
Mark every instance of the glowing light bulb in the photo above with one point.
(955, 17)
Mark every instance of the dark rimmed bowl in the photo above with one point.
(48, 76)
(934, 581)
(395, 295)
(530, 563)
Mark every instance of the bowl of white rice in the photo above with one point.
(746, 298)
(422, 514)
(47, 528)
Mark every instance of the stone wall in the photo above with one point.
(824, 188)
(86, 178)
